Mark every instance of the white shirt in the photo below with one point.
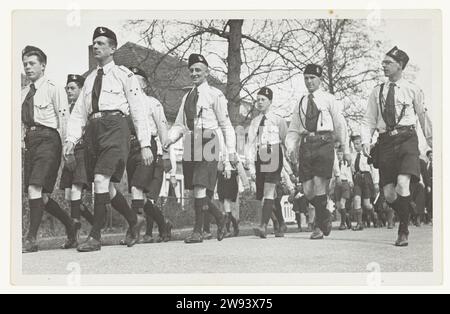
(407, 95)
(157, 121)
(51, 107)
(345, 171)
(120, 91)
(330, 119)
(214, 116)
(274, 132)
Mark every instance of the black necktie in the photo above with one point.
(28, 107)
(357, 163)
(261, 125)
(190, 108)
(340, 164)
(96, 91)
(312, 114)
(390, 111)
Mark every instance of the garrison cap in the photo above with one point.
(75, 78)
(197, 58)
(399, 56)
(267, 92)
(106, 32)
(313, 69)
(36, 50)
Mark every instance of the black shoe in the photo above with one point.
(261, 231)
(279, 234)
(135, 232)
(194, 238)
(221, 230)
(359, 227)
(148, 239)
(30, 246)
(342, 227)
(73, 238)
(402, 241)
(327, 226)
(91, 245)
(168, 234)
(127, 236)
(317, 234)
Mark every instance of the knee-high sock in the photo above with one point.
(279, 211)
(343, 213)
(75, 209)
(148, 216)
(86, 214)
(267, 209)
(206, 222)
(200, 206)
(320, 204)
(359, 216)
(53, 209)
(214, 211)
(120, 204)
(404, 214)
(36, 213)
(157, 216)
(100, 201)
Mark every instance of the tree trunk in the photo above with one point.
(234, 69)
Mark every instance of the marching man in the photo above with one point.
(310, 141)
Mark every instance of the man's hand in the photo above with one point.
(366, 151)
(292, 157)
(68, 150)
(293, 178)
(167, 144)
(232, 158)
(429, 189)
(147, 156)
(253, 176)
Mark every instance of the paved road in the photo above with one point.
(344, 251)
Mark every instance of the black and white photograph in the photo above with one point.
(227, 148)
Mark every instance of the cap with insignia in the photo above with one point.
(35, 50)
(75, 78)
(399, 56)
(196, 58)
(106, 32)
(267, 92)
(138, 71)
(313, 69)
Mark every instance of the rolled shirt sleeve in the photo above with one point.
(293, 136)
(223, 120)
(77, 119)
(423, 116)
(340, 125)
(178, 128)
(62, 110)
(370, 120)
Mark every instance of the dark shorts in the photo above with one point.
(197, 170)
(316, 157)
(147, 178)
(398, 155)
(227, 188)
(364, 185)
(268, 171)
(342, 191)
(301, 205)
(78, 176)
(107, 147)
(43, 151)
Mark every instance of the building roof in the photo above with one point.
(168, 76)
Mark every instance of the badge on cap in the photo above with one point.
(101, 30)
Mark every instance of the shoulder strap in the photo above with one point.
(300, 110)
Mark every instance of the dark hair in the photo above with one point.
(355, 137)
(40, 57)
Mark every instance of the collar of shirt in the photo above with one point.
(107, 67)
(203, 88)
(399, 84)
(38, 84)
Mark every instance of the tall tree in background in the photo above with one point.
(254, 53)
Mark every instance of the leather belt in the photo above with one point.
(105, 113)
